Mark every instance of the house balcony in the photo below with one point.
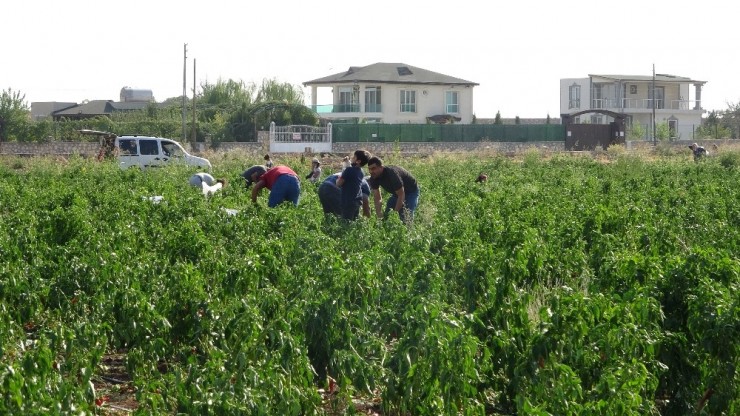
(644, 104)
(344, 110)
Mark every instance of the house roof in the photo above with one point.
(100, 107)
(389, 73)
(662, 78)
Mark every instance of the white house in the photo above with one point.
(394, 93)
(671, 98)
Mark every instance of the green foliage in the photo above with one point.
(14, 116)
(561, 285)
(662, 132)
(272, 90)
(712, 128)
(497, 120)
(637, 131)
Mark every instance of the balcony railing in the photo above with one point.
(346, 108)
(644, 103)
(373, 108)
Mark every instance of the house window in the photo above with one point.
(597, 119)
(372, 100)
(349, 99)
(452, 105)
(408, 101)
(597, 97)
(574, 96)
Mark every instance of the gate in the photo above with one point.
(300, 139)
(590, 136)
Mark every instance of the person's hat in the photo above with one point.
(316, 161)
(258, 169)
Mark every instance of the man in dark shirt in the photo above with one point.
(399, 182)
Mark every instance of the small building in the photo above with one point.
(97, 108)
(41, 110)
(394, 93)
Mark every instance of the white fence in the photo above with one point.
(299, 138)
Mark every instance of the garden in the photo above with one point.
(563, 284)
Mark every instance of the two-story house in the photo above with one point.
(670, 98)
(394, 93)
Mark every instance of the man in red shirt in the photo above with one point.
(281, 181)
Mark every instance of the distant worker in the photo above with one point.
(699, 151)
(400, 183)
(201, 177)
(315, 173)
(281, 181)
(268, 161)
(206, 183)
(482, 177)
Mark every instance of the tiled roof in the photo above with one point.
(647, 78)
(100, 107)
(389, 73)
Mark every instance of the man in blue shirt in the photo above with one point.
(350, 182)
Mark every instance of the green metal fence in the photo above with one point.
(448, 132)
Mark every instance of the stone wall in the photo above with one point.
(86, 149)
(90, 149)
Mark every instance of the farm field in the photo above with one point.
(565, 284)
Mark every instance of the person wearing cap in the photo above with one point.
(350, 182)
(400, 183)
(281, 181)
(253, 174)
(315, 173)
(330, 196)
(699, 151)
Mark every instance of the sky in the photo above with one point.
(517, 51)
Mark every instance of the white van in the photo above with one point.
(143, 151)
(146, 151)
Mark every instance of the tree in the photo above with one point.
(517, 120)
(712, 127)
(497, 120)
(223, 98)
(14, 116)
(731, 119)
(272, 90)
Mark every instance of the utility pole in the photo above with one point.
(184, 73)
(193, 132)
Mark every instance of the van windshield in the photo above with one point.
(172, 149)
